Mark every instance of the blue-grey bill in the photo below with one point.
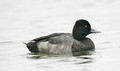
(94, 31)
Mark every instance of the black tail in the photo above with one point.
(24, 43)
(32, 46)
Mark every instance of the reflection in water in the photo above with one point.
(78, 58)
(75, 54)
(83, 53)
(35, 55)
(53, 62)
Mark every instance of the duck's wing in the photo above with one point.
(49, 37)
(54, 38)
(61, 39)
(32, 45)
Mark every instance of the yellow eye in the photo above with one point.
(85, 25)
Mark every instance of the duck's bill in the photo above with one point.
(94, 31)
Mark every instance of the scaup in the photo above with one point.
(65, 43)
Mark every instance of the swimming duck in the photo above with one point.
(65, 43)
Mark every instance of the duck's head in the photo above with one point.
(81, 29)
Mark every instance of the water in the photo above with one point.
(23, 20)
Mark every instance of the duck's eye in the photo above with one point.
(85, 25)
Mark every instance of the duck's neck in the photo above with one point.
(78, 36)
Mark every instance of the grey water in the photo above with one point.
(23, 20)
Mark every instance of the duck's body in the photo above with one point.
(63, 43)
(59, 43)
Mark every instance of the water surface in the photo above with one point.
(23, 20)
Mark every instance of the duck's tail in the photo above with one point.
(25, 43)
(32, 46)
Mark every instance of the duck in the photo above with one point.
(65, 43)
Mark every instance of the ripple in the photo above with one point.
(107, 42)
(6, 42)
(35, 56)
(84, 62)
